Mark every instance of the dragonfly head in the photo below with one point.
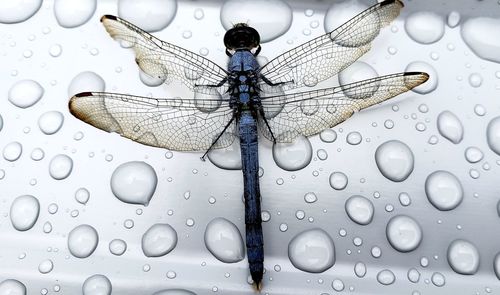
(241, 36)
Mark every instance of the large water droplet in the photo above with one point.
(431, 84)
(463, 257)
(395, 160)
(25, 93)
(340, 12)
(443, 190)
(60, 166)
(149, 15)
(12, 287)
(359, 209)
(425, 27)
(84, 82)
(134, 182)
(338, 180)
(270, 18)
(293, 156)
(493, 135)
(450, 127)
(12, 151)
(404, 233)
(227, 158)
(159, 240)
(82, 241)
(312, 251)
(496, 265)
(50, 122)
(150, 80)
(356, 72)
(386, 277)
(71, 14)
(224, 241)
(18, 11)
(24, 212)
(97, 285)
(477, 33)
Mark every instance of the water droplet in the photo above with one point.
(404, 233)
(52, 209)
(224, 241)
(338, 285)
(328, 135)
(50, 122)
(312, 251)
(149, 15)
(480, 110)
(475, 80)
(477, 32)
(117, 247)
(473, 154)
(60, 166)
(187, 34)
(413, 275)
(270, 18)
(338, 180)
(389, 124)
(431, 84)
(82, 241)
(300, 214)
(46, 266)
(24, 212)
(354, 138)
(204, 51)
(82, 195)
(12, 151)
(356, 72)
(128, 223)
(496, 265)
(25, 93)
(463, 257)
(450, 127)
(47, 227)
(84, 82)
(310, 197)
(386, 277)
(293, 156)
(340, 12)
(174, 292)
(199, 14)
(134, 182)
(493, 135)
(21, 11)
(395, 160)
(322, 154)
(56, 49)
(359, 209)
(438, 279)
(392, 50)
(97, 285)
(453, 19)
(266, 216)
(376, 252)
(425, 27)
(11, 286)
(37, 154)
(404, 199)
(360, 269)
(159, 240)
(227, 158)
(171, 274)
(283, 227)
(75, 13)
(424, 262)
(443, 190)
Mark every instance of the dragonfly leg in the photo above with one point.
(215, 141)
(263, 115)
(212, 85)
(268, 82)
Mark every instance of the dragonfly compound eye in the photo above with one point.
(241, 36)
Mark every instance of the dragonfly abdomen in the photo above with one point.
(253, 221)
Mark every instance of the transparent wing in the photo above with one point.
(163, 60)
(310, 112)
(175, 124)
(327, 55)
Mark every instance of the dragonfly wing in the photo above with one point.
(308, 113)
(327, 55)
(163, 60)
(176, 124)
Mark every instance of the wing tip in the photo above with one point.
(108, 16)
(82, 94)
(72, 103)
(424, 75)
(387, 2)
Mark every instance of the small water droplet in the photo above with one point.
(450, 127)
(97, 285)
(354, 138)
(159, 240)
(425, 27)
(395, 160)
(386, 277)
(338, 180)
(475, 80)
(312, 251)
(46, 266)
(444, 190)
(24, 212)
(224, 241)
(60, 166)
(82, 241)
(134, 182)
(12, 151)
(359, 209)
(50, 122)
(463, 257)
(404, 233)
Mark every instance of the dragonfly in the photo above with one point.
(245, 101)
